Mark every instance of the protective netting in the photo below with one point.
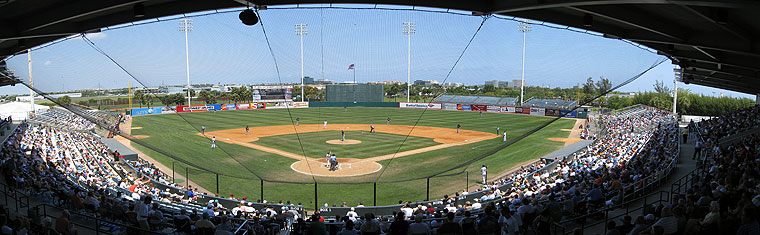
(449, 48)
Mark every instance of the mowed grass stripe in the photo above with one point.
(176, 134)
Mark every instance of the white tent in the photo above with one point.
(19, 110)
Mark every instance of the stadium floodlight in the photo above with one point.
(409, 28)
(524, 27)
(186, 25)
(301, 30)
(678, 72)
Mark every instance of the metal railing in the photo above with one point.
(630, 207)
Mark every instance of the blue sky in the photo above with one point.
(223, 50)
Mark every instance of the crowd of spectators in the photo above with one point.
(535, 196)
(72, 169)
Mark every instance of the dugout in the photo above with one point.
(354, 93)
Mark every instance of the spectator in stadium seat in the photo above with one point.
(63, 224)
(450, 227)
(348, 229)
(399, 226)
(489, 223)
(317, 227)
(204, 223)
(419, 227)
(668, 222)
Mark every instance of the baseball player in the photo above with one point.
(333, 162)
(298, 121)
(246, 130)
(371, 128)
(213, 142)
(481, 113)
(325, 126)
(497, 130)
(484, 172)
(388, 122)
(458, 126)
(505, 137)
(327, 159)
(203, 130)
(342, 135)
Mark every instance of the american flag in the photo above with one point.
(351, 66)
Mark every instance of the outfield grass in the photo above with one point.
(372, 145)
(401, 178)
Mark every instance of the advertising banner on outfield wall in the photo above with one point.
(477, 107)
(464, 107)
(525, 110)
(300, 104)
(228, 107)
(507, 109)
(198, 108)
(568, 114)
(243, 106)
(494, 109)
(537, 111)
(146, 111)
(449, 106)
(408, 105)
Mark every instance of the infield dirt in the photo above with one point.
(349, 167)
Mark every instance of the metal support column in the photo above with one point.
(374, 197)
(427, 197)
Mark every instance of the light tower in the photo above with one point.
(524, 27)
(678, 72)
(186, 25)
(301, 30)
(31, 83)
(409, 28)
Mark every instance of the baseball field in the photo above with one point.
(398, 156)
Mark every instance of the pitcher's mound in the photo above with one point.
(344, 142)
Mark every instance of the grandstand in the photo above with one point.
(550, 103)
(481, 100)
(59, 176)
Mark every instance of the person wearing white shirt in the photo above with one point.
(352, 215)
(476, 205)
(142, 211)
(484, 172)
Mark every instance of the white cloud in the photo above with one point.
(48, 62)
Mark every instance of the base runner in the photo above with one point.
(371, 128)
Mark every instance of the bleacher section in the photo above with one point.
(481, 100)
(550, 104)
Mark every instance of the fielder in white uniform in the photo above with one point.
(325, 124)
(213, 142)
(484, 172)
(505, 136)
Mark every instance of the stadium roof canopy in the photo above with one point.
(717, 42)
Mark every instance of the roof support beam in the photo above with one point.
(729, 27)
(649, 23)
(507, 7)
